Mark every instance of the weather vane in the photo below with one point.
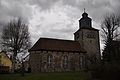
(84, 10)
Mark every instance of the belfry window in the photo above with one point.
(65, 62)
(50, 58)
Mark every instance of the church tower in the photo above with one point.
(88, 36)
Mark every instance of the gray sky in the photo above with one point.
(55, 18)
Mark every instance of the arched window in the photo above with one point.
(81, 61)
(65, 61)
(50, 58)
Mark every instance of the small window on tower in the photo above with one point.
(0, 56)
(90, 41)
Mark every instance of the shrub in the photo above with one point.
(106, 71)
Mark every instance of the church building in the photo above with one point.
(57, 55)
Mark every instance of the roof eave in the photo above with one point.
(57, 50)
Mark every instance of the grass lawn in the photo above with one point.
(48, 76)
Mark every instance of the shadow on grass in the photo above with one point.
(48, 76)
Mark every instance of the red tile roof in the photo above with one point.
(57, 45)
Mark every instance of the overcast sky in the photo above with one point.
(55, 18)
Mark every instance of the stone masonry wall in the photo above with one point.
(90, 44)
(39, 61)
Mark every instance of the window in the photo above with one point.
(65, 62)
(0, 56)
(81, 62)
(50, 57)
(90, 41)
(91, 35)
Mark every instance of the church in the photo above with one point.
(58, 55)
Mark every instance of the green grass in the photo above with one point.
(48, 76)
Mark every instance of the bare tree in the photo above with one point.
(110, 27)
(15, 38)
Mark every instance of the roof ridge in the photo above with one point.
(57, 39)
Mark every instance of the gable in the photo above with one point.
(5, 56)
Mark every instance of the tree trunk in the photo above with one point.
(13, 65)
(23, 69)
(14, 61)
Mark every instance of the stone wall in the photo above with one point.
(39, 61)
(89, 40)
